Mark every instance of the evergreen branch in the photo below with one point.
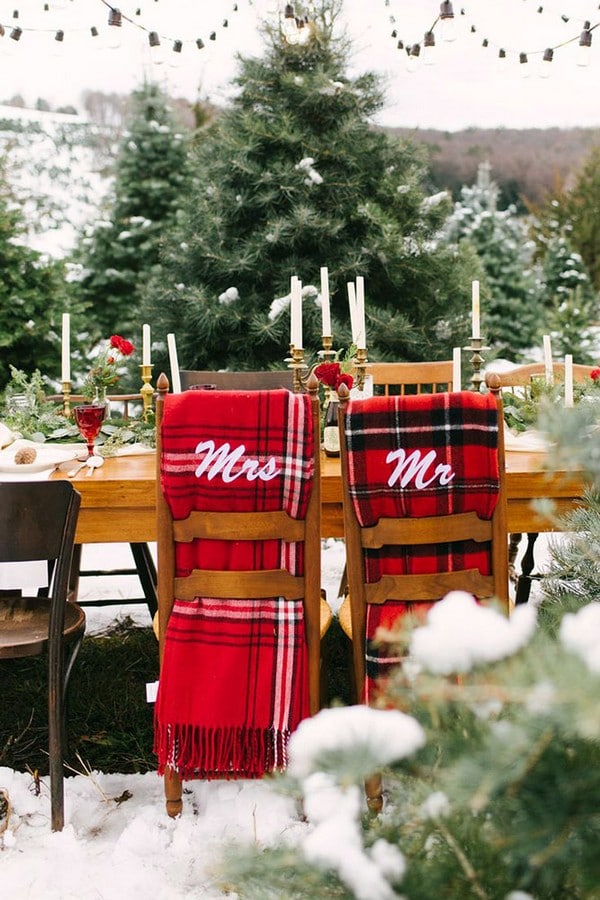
(462, 859)
(532, 760)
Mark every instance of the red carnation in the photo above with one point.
(328, 373)
(346, 379)
(595, 374)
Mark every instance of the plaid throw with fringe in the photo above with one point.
(424, 455)
(234, 678)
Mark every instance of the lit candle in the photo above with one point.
(475, 309)
(548, 359)
(66, 347)
(296, 312)
(325, 302)
(174, 363)
(456, 375)
(361, 331)
(352, 306)
(569, 380)
(145, 345)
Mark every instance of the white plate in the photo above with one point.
(46, 457)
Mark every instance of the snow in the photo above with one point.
(118, 841)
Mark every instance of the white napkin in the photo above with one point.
(532, 441)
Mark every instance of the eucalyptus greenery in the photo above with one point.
(26, 410)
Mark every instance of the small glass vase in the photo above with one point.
(100, 398)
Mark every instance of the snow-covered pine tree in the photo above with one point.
(120, 251)
(33, 295)
(510, 294)
(294, 177)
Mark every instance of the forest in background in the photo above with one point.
(527, 164)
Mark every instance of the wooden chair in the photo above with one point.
(237, 381)
(37, 522)
(519, 380)
(412, 541)
(243, 528)
(411, 378)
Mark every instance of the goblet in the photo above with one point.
(89, 418)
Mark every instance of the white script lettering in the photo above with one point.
(223, 460)
(415, 466)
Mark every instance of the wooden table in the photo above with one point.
(118, 500)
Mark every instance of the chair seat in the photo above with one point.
(24, 625)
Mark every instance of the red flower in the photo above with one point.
(121, 344)
(328, 373)
(595, 374)
(346, 379)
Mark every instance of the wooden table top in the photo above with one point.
(118, 500)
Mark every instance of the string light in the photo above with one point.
(546, 58)
(585, 46)
(448, 31)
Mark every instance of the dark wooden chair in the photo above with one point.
(37, 522)
(238, 527)
(416, 534)
(237, 381)
(519, 381)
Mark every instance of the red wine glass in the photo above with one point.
(89, 418)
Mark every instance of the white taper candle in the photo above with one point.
(568, 379)
(145, 345)
(476, 326)
(325, 302)
(174, 363)
(66, 347)
(456, 373)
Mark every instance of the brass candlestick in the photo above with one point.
(296, 362)
(147, 391)
(66, 392)
(360, 365)
(476, 346)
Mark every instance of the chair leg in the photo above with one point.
(374, 793)
(527, 563)
(56, 720)
(147, 574)
(173, 792)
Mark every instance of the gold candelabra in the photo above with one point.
(302, 372)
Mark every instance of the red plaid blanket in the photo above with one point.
(234, 678)
(425, 455)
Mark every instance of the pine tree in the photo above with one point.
(582, 212)
(510, 296)
(567, 293)
(294, 177)
(33, 295)
(122, 249)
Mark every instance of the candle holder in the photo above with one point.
(147, 391)
(297, 364)
(360, 365)
(66, 393)
(476, 346)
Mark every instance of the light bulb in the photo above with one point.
(447, 26)
(585, 46)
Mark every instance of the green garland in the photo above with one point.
(27, 411)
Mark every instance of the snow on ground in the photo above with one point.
(110, 850)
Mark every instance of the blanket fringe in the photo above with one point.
(211, 753)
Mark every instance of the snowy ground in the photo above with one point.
(110, 850)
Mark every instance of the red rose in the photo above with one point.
(328, 373)
(595, 374)
(346, 379)
(124, 346)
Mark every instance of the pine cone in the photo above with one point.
(25, 455)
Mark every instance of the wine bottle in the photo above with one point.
(331, 434)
